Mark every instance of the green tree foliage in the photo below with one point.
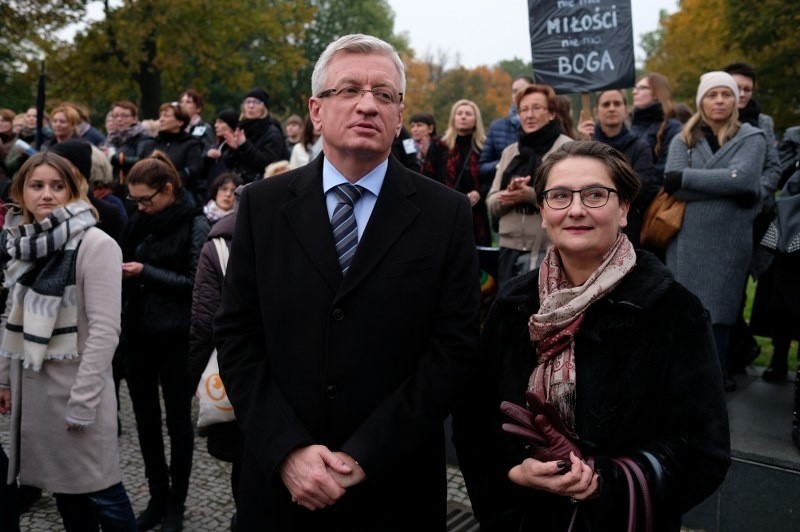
(26, 29)
(709, 34)
(148, 51)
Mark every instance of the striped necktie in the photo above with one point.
(343, 222)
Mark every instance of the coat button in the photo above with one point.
(338, 314)
(332, 392)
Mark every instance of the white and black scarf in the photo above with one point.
(43, 320)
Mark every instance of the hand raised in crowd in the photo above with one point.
(573, 478)
(214, 153)
(239, 136)
(231, 139)
(307, 474)
(518, 191)
(586, 130)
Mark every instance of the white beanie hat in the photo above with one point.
(717, 78)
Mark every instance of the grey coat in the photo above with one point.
(711, 253)
(42, 450)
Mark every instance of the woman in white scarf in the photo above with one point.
(57, 338)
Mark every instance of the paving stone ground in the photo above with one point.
(209, 505)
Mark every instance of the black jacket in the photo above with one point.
(157, 304)
(640, 156)
(186, 153)
(264, 145)
(648, 379)
(126, 155)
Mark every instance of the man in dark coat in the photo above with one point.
(341, 368)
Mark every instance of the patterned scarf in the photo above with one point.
(43, 321)
(561, 312)
(213, 212)
(118, 138)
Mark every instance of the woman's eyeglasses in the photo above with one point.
(593, 197)
(145, 201)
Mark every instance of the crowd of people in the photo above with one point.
(348, 323)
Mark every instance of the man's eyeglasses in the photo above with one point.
(145, 201)
(381, 94)
(593, 197)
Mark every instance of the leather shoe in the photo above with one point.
(772, 374)
(173, 519)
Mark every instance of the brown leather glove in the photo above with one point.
(541, 425)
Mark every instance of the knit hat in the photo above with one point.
(78, 152)
(259, 94)
(717, 78)
(230, 117)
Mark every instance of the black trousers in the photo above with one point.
(165, 364)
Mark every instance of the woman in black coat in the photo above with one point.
(161, 246)
(615, 357)
(184, 150)
(257, 141)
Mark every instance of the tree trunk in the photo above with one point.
(149, 79)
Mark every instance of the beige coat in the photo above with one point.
(519, 231)
(48, 456)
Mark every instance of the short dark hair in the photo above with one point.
(619, 168)
(527, 78)
(743, 69)
(195, 96)
(177, 110)
(221, 179)
(130, 106)
(424, 118)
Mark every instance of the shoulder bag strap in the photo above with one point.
(222, 253)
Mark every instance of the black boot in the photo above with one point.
(173, 519)
(156, 508)
(778, 369)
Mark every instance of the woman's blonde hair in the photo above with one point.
(478, 134)
(77, 186)
(692, 131)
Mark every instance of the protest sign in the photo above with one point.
(580, 46)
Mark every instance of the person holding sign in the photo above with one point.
(511, 199)
(611, 108)
(652, 119)
(715, 166)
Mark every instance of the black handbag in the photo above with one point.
(783, 233)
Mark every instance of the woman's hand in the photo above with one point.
(214, 153)
(518, 191)
(231, 140)
(575, 479)
(239, 136)
(586, 130)
(131, 269)
(5, 401)
(474, 197)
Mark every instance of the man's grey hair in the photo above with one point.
(359, 44)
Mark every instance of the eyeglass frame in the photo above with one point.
(146, 201)
(543, 196)
(338, 92)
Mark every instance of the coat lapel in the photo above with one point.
(308, 218)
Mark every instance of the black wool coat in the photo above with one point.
(157, 303)
(648, 379)
(370, 363)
